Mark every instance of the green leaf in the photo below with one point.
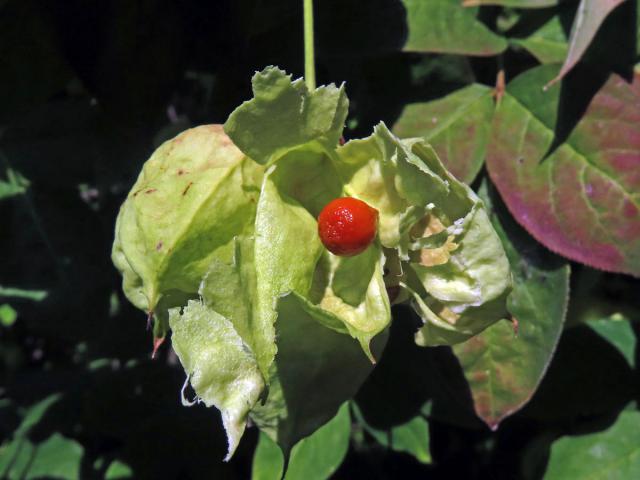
(8, 315)
(35, 295)
(589, 17)
(220, 366)
(268, 460)
(9, 190)
(195, 193)
(512, 3)
(443, 26)
(16, 184)
(576, 194)
(458, 127)
(317, 456)
(619, 333)
(320, 455)
(411, 437)
(34, 414)
(118, 470)
(283, 115)
(613, 453)
(56, 456)
(505, 364)
(549, 43)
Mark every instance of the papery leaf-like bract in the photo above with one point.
(288, 115)
(220, 366)
(459, 287)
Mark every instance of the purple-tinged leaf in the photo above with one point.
(504, 364)
(580, 198)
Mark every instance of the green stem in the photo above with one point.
(309, 55)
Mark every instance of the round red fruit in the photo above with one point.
(347, 226)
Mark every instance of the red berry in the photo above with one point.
(347, 226)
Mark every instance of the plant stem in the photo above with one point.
(309, 55)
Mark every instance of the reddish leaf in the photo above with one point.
(505, 363)
(582, 199)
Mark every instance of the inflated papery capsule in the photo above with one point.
(193, 196)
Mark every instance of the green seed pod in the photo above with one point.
(194, 195)
(267, 323)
